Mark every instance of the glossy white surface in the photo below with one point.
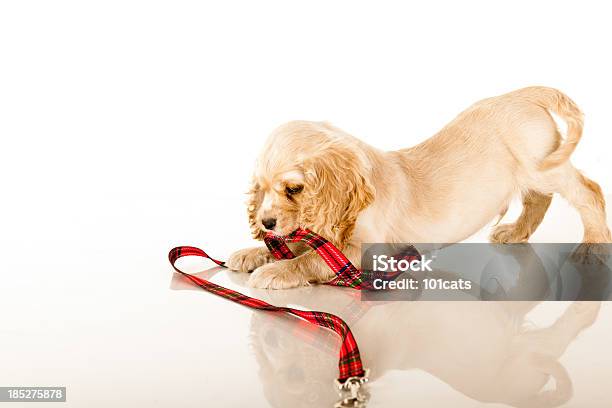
(109, 320)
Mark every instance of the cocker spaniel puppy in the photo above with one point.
(313, 175)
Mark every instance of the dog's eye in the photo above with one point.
(292, 190)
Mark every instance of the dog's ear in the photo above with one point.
(255, 198)
(337, 189)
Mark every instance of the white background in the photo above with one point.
(130, 127)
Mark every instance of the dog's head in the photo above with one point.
(309, 175)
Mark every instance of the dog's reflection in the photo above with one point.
(484, 350)
(297, 361)
(481, 349)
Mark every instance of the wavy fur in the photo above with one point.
(314, 175)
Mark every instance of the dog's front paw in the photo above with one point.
(278, 275)
(249, 259)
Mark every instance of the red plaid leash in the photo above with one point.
(349, 364)
(346, 273)
(350, 367)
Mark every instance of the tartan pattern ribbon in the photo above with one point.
(347, 275)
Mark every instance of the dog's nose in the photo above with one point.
(269, 223)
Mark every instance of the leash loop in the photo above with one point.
(349, 359)
(352, 376)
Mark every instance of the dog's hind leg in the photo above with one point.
(586, 196)
(534, 207)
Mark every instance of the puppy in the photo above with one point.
(313, 175)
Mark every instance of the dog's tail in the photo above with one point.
(562, 106)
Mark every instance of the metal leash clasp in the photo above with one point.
(352, 393)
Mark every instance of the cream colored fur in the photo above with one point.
(440, 191)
